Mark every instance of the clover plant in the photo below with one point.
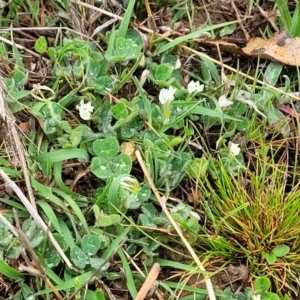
(86, 253)
(108, 162)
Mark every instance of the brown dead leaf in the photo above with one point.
(279, 48)
(129, 149)
(25, 127)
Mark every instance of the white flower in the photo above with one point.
(224, 102)
(195, 215)
(178, 64)
(166, 95)
(195, 86)
(85, 110)
(234, 149)
(256, 297)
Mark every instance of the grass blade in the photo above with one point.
(125, 22)
(62, 154)
(285, 15)
(129, 278)
(9, 272)
(191, 36)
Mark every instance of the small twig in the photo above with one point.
(97, 8)
(33, 212)
(22, 48)
(150, 279)
(162, 202)
(10, 120)
(240, 21)
(39, 269)
(8, 225)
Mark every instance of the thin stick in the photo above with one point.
(97, 9)
(162, 202)
(152, 276)
(8, 225)
(33, 212)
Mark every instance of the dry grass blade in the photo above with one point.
(37, 269)
(162, 202)
(33, 212)
(97, 9)
(15, 142)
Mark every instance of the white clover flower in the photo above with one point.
(195, 215)
(195, 86)
(166, 95)
(224, 102)
(85, 110)
(178, 64)
(234, 149)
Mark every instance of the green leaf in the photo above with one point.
(262, 283)
(269, 296)
(272, 73)
(101, 167)
(271, 258)
(52, 258)
(41, 45)
(104, 220)
(120, 111)
(281, 250)
(106, 148)
(124, 47)
(90, 244)
(198, 168)
(103, 84)
(97, 263)
(163, 72)
(122, 164)
(227, 30)
(79, 258)
(34, 233)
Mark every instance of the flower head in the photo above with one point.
(178, 64)
(234, 149)
(166, 95)
(195, 86)
(224, 102)
(85, 110)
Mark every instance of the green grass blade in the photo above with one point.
(50, 214)
(66, 233)
(75, 208)
(62, 154)
(112, 195)
(125, 22)
(191, 36)
(110, 250)
(285, 15)
(296, 22)
(69, 284)
(9, 272)
(57, 171)
(129, 278)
